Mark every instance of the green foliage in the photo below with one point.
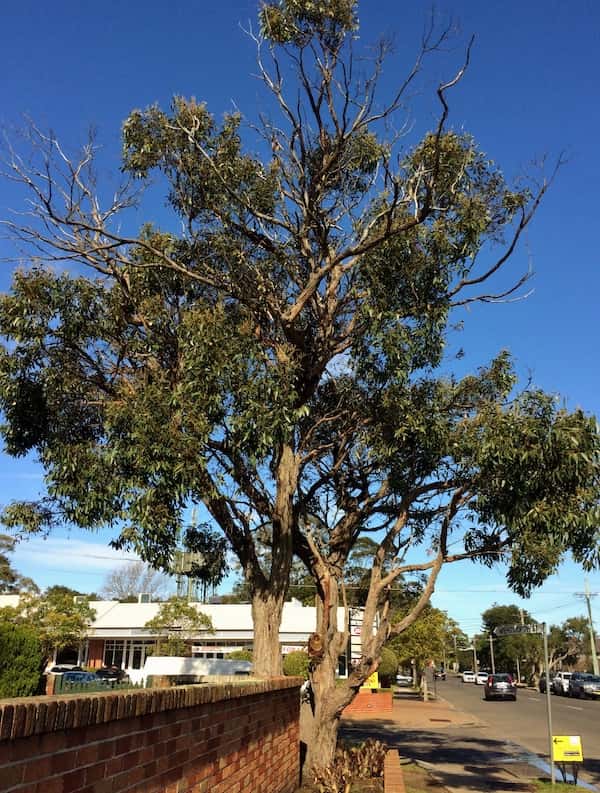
(425, 639)
(388, 667)
(240, 655)
(283, 360)
(54, 617)
(10, 580)
(21, 661)
(298, 21)
(176, 622)
(296, 664)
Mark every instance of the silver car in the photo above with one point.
(584, 685)
(500, 685)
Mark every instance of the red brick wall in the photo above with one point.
(393, 778)
(237, 737)
(369, 703)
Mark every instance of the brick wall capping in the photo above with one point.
(25, 716)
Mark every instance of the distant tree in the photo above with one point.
(55, 617)
(11, 581)
(240, 593)
(508, 649)
(176, 622)
(21, 660)
(568, 643)
(425, 639)
(127, 581)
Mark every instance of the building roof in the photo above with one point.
(230, 621)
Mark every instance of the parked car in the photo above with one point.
(583, 684)
(111, 674)
(440, 674)
(500, 685)
(560, 683)
(468, 676)
(542, 683)
(78, 678)
(404, 680)
(62, 668)
(481, 678)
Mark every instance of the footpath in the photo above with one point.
(449, 743)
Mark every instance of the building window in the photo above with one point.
(138, 652)
(114, 653)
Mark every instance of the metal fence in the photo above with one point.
(62, 686)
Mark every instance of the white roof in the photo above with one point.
(229, 620)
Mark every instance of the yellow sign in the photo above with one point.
(372, 681)
(567, 749)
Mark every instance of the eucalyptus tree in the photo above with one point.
(279, 358)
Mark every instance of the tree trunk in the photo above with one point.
(267, 609)
(320, 720)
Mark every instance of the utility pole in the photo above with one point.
(492, 654)
(588, 596)
(475, 666)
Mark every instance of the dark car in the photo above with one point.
(542, 684)
(500, 685)
(111, 674)
(584, 684)
(440, 674)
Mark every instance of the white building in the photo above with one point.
(117, 637)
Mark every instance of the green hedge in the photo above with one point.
(388, 667)
(296, 664)
(21, 661)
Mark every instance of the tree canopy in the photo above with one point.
(56, 617)
(126, 582)
(11, 581)
(279, 351)
(176, 622)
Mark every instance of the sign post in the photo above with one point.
(567, 749)
(528, 629)
(548, 706)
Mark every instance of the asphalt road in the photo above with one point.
(505, 738)
(525, 721)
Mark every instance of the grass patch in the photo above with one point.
(545, 786)
(418, 780)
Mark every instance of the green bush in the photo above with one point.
(21, 661)
(388, 667)
(240, 655)
(296, 664)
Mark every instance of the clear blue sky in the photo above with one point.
(532, 90)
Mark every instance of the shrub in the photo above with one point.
(364, 761)
(240, 655)
(21, 661)
(388, 667)
(296, 664)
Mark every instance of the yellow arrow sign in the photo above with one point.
(567, 749)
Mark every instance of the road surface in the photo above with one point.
(525, 721)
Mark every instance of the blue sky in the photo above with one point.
(531, 90)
